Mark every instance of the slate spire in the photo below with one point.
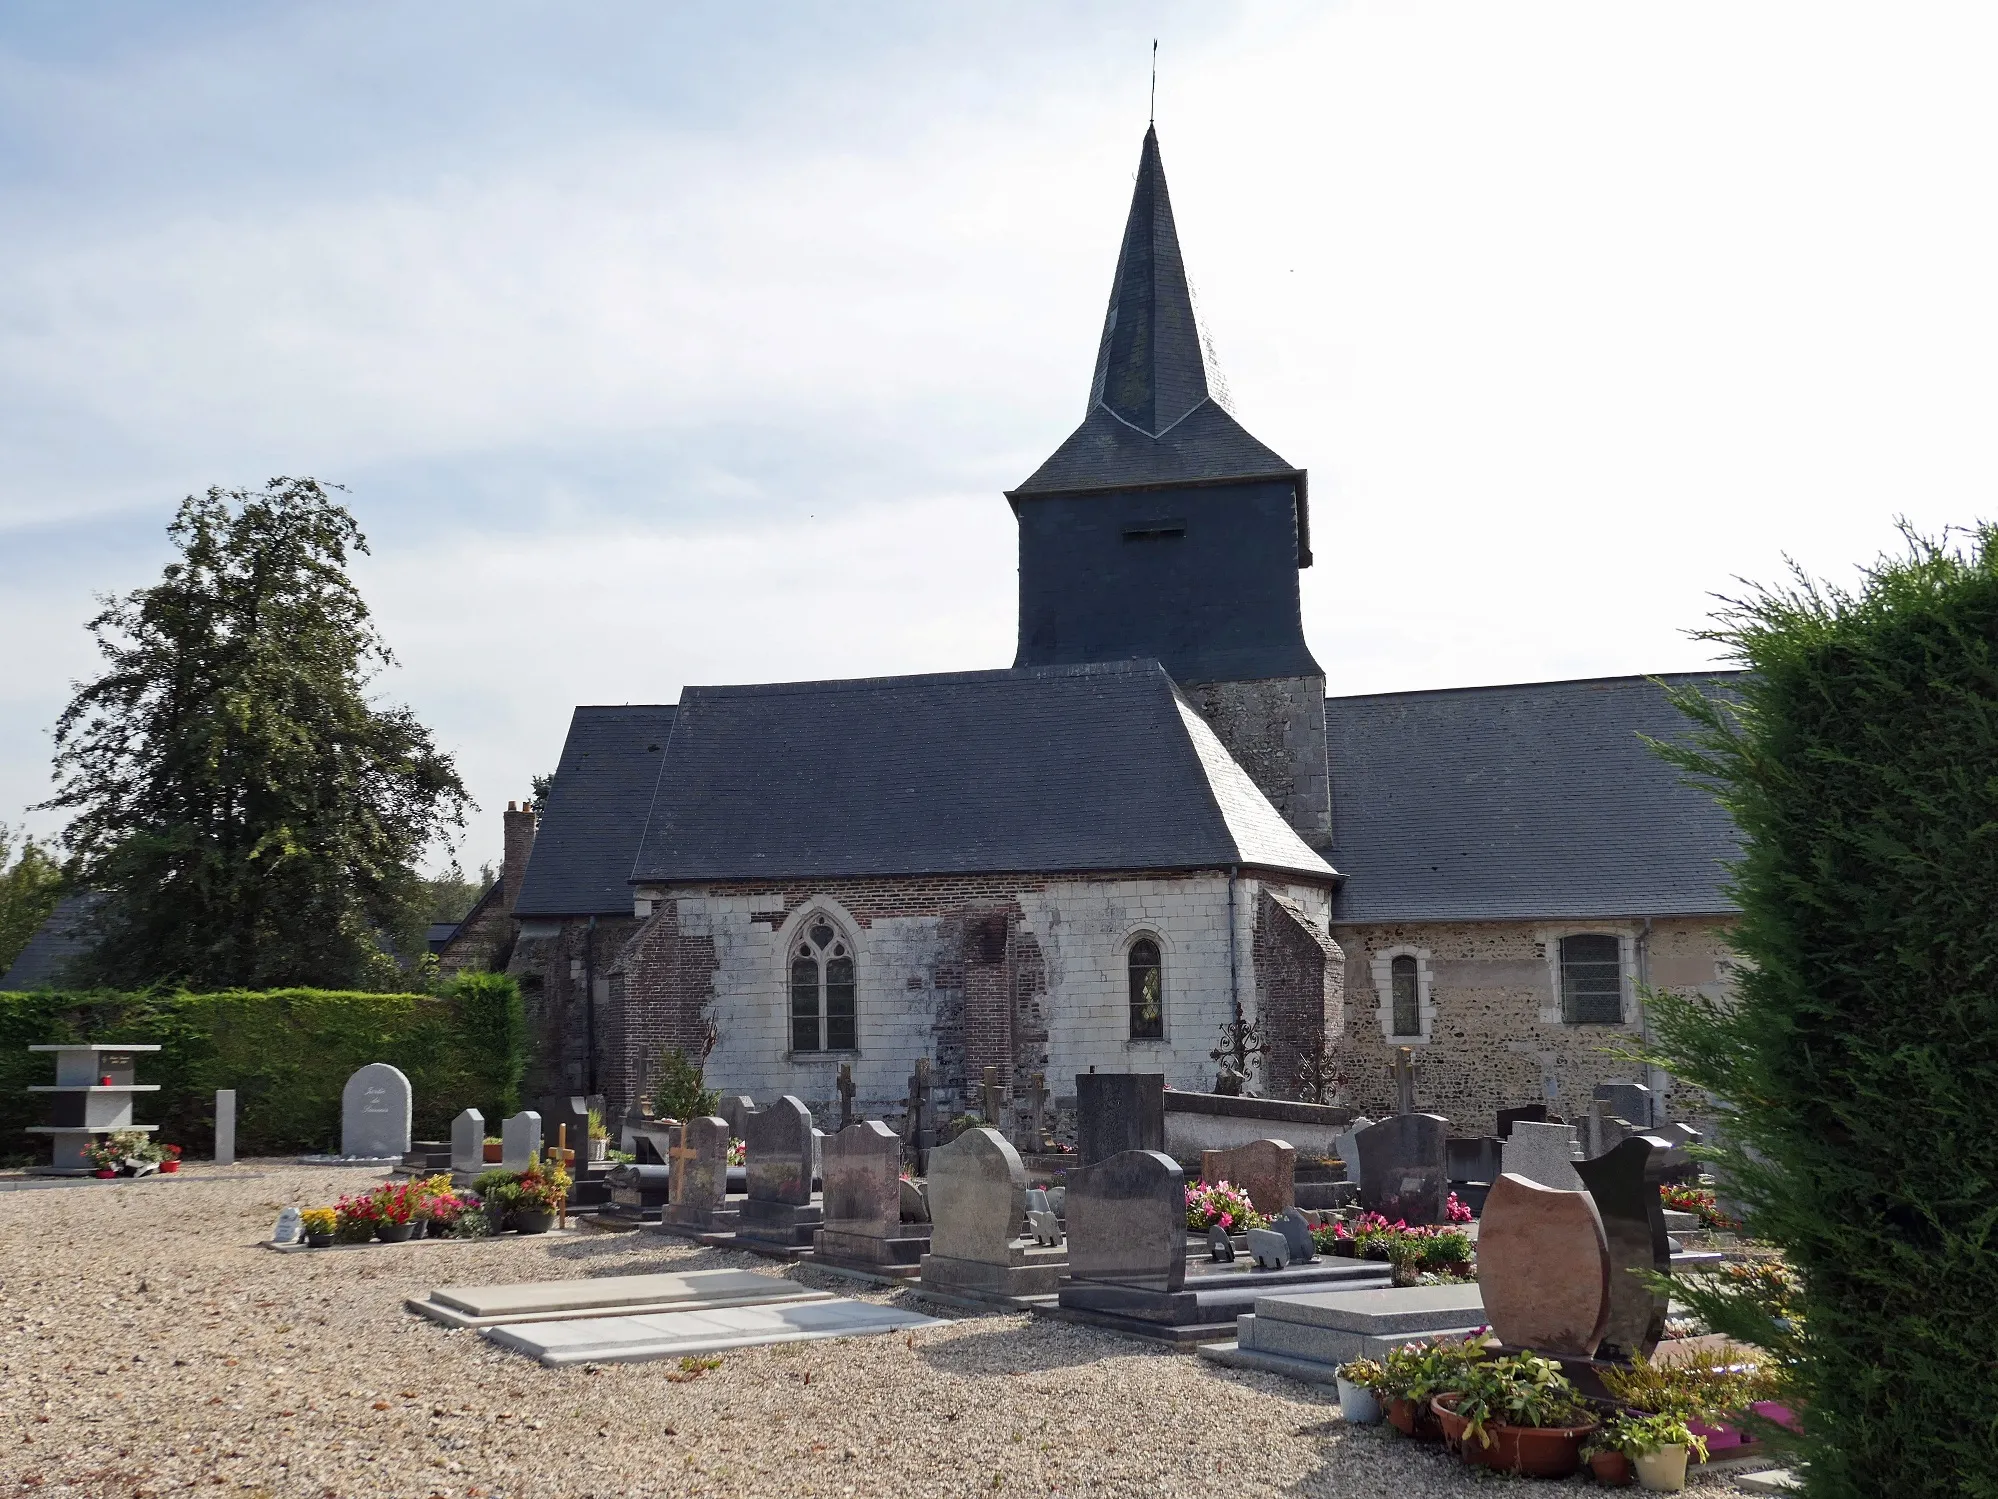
(1153, 364)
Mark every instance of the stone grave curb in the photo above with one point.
(1231, 1355)
(721, 1344)
(451, 1317)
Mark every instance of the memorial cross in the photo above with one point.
(845, 1089)
(994, 1097)
(1404, 1080)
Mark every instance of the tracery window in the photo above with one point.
(822, 990)
(1147, 977)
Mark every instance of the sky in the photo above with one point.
(695, 344)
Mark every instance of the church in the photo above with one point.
(1152, 837)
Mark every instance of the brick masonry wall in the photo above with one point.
(554, 969)
(1300, 990)
(1496, 1037)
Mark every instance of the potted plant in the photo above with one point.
(104, 1156)
(1657, 1447)
(1358, 1379)
(1414, 1373)
(599, 1135)
(320, 1226)
(1518, 1414)
(395, 1214)
(491, 1150)
(539, 1196)
(1220, 1204)
(355, 1219)
(169, 1158)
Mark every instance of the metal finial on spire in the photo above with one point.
(1152, 117)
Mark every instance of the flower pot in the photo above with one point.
(319, 1241)
(1663, 1471)
(1612, 1469)
(599, 1149)
(394, 1233)
(168, 1168)
(533, 1221)
(490, 1153)
(1533, 1451)
(1357, 1403)
(1413, 1420)
(104, 1173)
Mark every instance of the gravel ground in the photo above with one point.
(147, 1344)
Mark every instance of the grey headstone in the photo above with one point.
(1118, 1111)
(225, 1126)
(1402, 1170)
(700, 1165)
(1532, 1113)
(978, 1197)
(1269, 1249)
(1543, 1153)
(290, 1224)
(1127, 1221)
(735, 1110)
(468, 1142)
(1220, 1248)
(915, 1204)
(1624, 1184)
(863, 1180)
(1349, 1149)
(1296, 1231)
(1037, 1200)
(1474, 1160)
(520, 1140)
(374, 1112)
(779, 1140)
(1045, 1225)
(1629, 1101)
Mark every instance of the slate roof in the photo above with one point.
(1061, 768)
(1156, 400)
(594, 814)
(1529, 801)
(58, 939)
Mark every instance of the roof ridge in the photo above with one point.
(1641, 676)
(995, 676)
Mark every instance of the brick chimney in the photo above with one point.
(520, 822)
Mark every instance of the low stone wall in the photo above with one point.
(1214, 1121)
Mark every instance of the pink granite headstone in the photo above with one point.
(1265, 1169)
(1544, 1267)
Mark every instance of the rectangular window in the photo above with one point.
(841, 1032)
(1155, 530)
(1592, 980)
(804, 1004)
(1407, 996)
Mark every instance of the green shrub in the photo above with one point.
(681, 1091)
(287, 1053)
(1856, 1063)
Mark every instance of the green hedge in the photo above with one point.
(286, 1052)
(1860, 1058)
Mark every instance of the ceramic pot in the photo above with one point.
(394, 1233)
(528, 1221)
(490, 1152)
(106, 1172)
(1357, 1403)
(168, 1168)
(1612, 1469)
(1663, 1471)
(1533, 1451)
(1413, 1420)
(319, 1241)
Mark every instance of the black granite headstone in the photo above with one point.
(1220, 1248)
(1624, 1184)
(1127, 1221)
(1296, 1231)
(1402, 1171)
(1118, 1111)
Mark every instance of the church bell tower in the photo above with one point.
(1162, 529)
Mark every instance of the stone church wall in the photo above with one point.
(557, 963)
(1493, 1032)
(1275, 729)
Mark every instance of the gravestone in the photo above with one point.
(978, 1200)
(1628, 1101)
(1296, 1231)
(1543, 1153)
(863, 1200)
(290, 1227)
(468, 1143)
(1268, 1248)
(700, 1173)
(225, 1126)
(637, 1194)
(1624, 1184)
(778, 1210)
(1349, 1147)
(735, 1110)
(1127, 1221)
(1042, 1221)
(1473, 1164)
(1265, 1169)
(1037, 1113)
(915, 1204)
(1544, 1267)
(919, 1130)
(1531, 1113)
(1220, 1248)
(1118, 1112)
(520, 1140)
(374, 1113)
(1402, 1169)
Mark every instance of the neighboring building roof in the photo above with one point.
(1156, 399)
(1056, 769)
(594, 814)
(439, 933)
(56, 941)
(1528, 801)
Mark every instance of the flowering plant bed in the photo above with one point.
(1682, 1198)
(1220, 1205)
(1371, 1237)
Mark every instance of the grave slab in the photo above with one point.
(605, 1296)
(683, 1334)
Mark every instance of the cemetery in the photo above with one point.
(1414, 1336)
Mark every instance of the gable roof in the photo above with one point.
(1056, 769)
(1536, 800)
(64, 935)
(1156, 400)
(594, 814)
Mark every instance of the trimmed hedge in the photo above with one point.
(286, 1052)
(1859, 1061)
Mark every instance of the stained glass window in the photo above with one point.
(1407, 996)
(1147, 976)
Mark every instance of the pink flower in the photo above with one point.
(1227, 1220)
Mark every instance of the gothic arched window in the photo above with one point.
(822, 1014)
(1147, 975)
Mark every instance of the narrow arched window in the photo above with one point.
(1147, 975)
(822, 991)
(1407, 996)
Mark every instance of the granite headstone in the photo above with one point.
(1543, 1153)
(1544, 1267)
(1531, 1113)
(1118, 1111)
(1265, 1169)
(1628, 1101)
(520, 1140)
(374, 1113)
(1402, 1169)
(1624, 1184)
(1127, 1221)
(468, 1143)
(863, 1166)
(977, 1197)
(1349, 1147)
(700, 1170)
(779, 1140)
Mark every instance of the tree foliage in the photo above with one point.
(1856, 1064)
(30, 883)
(255, 818)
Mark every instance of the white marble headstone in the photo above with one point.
(374, 1112)
(468, 1142)
(290, 1225)
(520, 1140)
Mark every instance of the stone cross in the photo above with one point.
(845, 1090)
(995, 1097)
(920, 1136)
(1037, 1113)
(1404, 1079)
